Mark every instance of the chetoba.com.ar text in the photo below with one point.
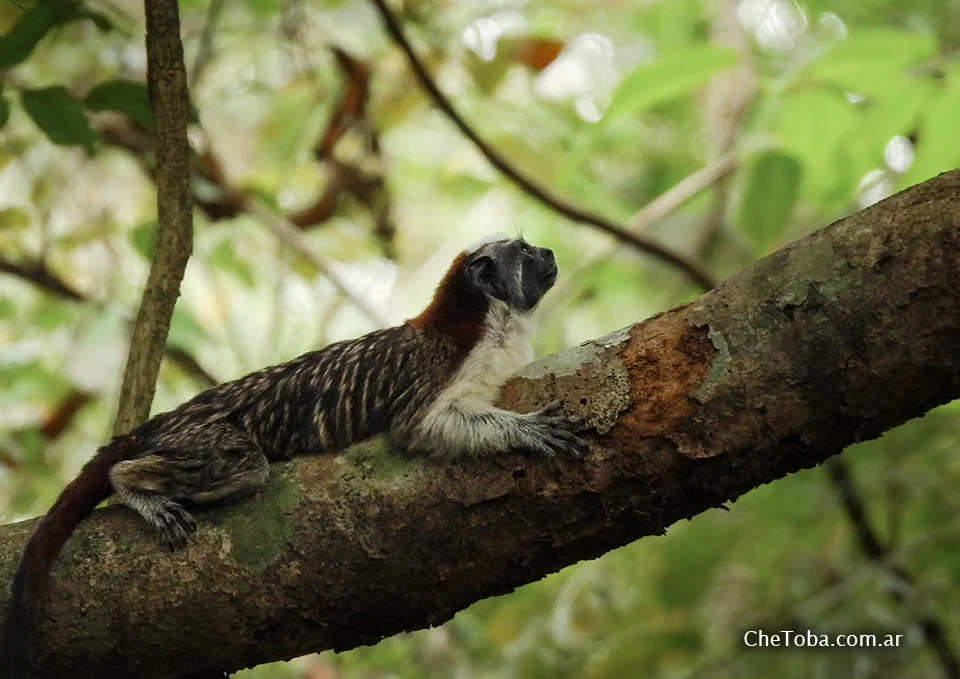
(810, 639)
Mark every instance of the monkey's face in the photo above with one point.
(513, 271)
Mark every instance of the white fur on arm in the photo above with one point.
(463, 419)
(474, 427)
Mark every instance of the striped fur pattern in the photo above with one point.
(428, 383)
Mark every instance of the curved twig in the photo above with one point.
(39, 275)
(205, 48)
(692, 270)
(281, 227)
(871, 545)
(659, 208)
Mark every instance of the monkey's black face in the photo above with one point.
(513, 271)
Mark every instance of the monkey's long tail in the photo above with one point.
(76, 502)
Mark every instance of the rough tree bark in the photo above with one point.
(167, 84)
(829, 341)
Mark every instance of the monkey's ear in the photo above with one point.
(480, 269)
(481, 272)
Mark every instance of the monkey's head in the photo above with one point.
(511, 270)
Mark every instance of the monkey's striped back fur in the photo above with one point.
(428, 383)
(320, 401)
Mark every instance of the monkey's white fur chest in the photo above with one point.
(503, 350)
(462, 417)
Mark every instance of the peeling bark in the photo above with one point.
(828, 341)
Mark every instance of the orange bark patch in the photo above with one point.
(667, 360)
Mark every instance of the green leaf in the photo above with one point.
(4, 111)
(100, 20)
(14, 222)
(886, 118)
(144, 239)
(7, 309)
(124, 96)
(223, 257)
(813, 127)
(772, 184)
(668, 78)
(51, 314)
(60, 115)
(185, 331)
(28, 377)
(866, 60)
(936, 150)
(19, 42)
(263, 8)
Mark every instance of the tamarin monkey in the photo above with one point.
(428, 383)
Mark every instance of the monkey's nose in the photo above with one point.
(548, 269)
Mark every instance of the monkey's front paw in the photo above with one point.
(559, 432)
(174, 524)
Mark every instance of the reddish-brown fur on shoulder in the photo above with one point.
(458, 310)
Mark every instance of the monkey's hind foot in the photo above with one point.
(168, 517)
(174, 523)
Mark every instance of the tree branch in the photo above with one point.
(205, 46)
(726, 101)
(651, 213)
(234, 201)
(871, 545)
(167, 85)
(690, 269)
(286, 232)
(39, 275)
(775, 370)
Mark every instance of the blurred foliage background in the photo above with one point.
(806, 110)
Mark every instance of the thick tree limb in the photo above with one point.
(829, 341)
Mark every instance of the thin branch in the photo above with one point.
(233, 202)
(189, 364)
(685, 189)
(871, 545)
(727, 98)
(39, 275)
(62, 416)
(205, 48)
(289, 234)
(691, 269)
(53, 425)
(170, 100)
(659, 208)
(8, 460)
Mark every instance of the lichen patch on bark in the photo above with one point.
(589, 380)
(258, 531)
